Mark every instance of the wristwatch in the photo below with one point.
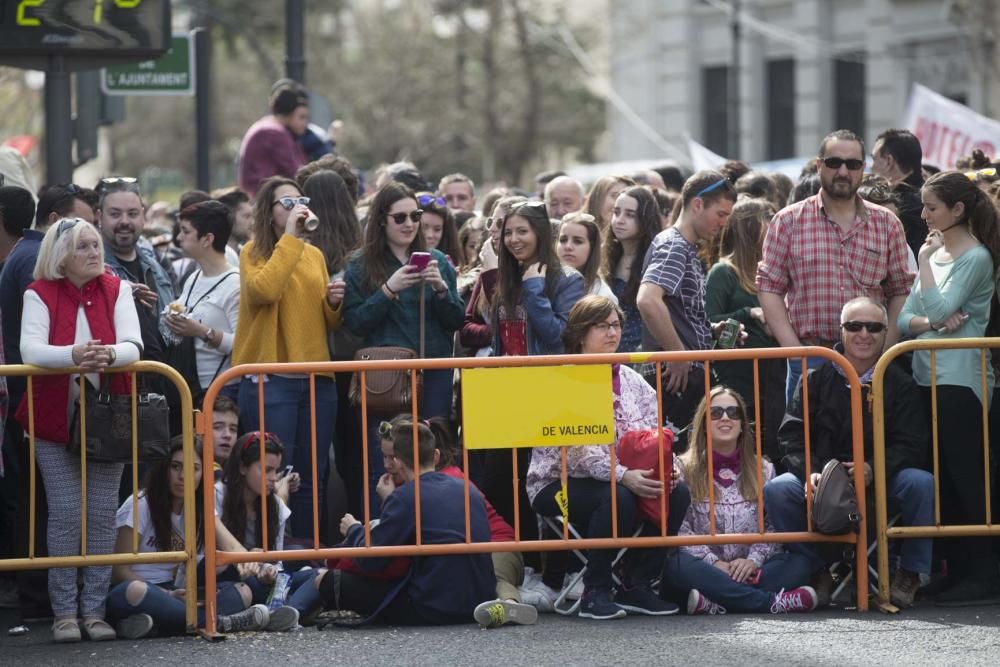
(209, 336)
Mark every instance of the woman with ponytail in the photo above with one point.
(952, 298)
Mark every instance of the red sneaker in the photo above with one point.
(796, 600)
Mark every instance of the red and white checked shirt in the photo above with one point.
(819, 268)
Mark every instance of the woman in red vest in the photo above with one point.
(76, 314)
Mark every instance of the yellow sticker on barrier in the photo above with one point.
(548, 406)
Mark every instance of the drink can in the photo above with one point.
(729, 335)
(311, 223)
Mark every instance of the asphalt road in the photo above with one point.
(923, 636)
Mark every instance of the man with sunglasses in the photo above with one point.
(897, 156)
(864, 326)
(828, 249)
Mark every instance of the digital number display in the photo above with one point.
(84, 27)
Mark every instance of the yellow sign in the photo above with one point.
(548, 406)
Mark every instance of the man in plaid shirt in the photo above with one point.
(828, 249)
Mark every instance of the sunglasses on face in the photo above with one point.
(427, 200)
(856, 326)
(400, 218)
(288, 203)
(838, 162)
(732, 411)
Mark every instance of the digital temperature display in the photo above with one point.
(122, 28)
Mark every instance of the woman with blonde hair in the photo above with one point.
(718, 578)
(601, 198)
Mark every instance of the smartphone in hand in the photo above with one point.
(420, 260)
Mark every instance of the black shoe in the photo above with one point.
(642, 600)
(969, 593)
(596, 603)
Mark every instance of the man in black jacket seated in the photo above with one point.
(863, 330)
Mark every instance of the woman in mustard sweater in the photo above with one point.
(286, 309)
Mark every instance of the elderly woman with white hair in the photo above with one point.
(76, 314)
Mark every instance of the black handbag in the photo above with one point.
(835, 505)
(109, 426)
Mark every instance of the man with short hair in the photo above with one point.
(563, 195)
(897, 156)
(459, 191)
(225, 429)
(864, 324)
(64, 201)
(671, 297)
(826, 250)
(271, 147)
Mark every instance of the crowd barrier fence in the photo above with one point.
(214, 557)
(188, 556)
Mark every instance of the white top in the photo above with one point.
(601, 288)
(220, 311)
(233, 257)
(250, 537)
(153, 573)
(35, 348)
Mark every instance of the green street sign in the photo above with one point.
(170, 74)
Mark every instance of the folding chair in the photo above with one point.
(555, 524)
(848, 564)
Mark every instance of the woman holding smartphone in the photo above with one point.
(287, 306)
(385, 280)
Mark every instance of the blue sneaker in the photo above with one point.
(596, 603)
(642, 600)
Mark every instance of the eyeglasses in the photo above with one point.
(384, 430)
(400, 218)
(288, 203)
(66, 225)
(427, 200)
(838, 162)
(732, 411)
(713, 186)
(603, 327)
(854, 326)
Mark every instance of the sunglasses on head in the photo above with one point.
(115, 180)
(255, 437)
(288, 203)
(66, 225)
(732, 411)
(400, 218)
(838, 162)
(854, 326)
(384, 430)
(427, 200)
(988, 172)
(537, 205)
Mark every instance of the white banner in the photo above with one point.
(702, 157)
(948, 130)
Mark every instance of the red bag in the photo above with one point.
(640, 450)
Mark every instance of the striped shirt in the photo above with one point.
(672, 264)
(819, 267)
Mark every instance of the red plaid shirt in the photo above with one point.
(819, 268)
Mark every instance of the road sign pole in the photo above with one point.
(295, 40)
(202, 106)
(58, 123)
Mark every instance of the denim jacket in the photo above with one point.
(547, 314)
(147, 259)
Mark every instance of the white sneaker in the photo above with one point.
(576, 592)
(538, 595)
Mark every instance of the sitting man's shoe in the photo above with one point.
(797, 600)
(642, 600)
(494, 613)
(98, 630)
(66, 630)
(969, 593)
(698, 604)
(282, 619)
(596, 603)
(904, 588)
(135, 626)
(254, 618)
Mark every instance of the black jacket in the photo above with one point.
(909, 207)
(907, 437)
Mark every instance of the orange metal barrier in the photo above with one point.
(188, 556)
(214, 557)
(884, 532)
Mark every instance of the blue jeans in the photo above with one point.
(785, 504)
(795, 374)
(287, 415)
(782, 571)
(168, 612)
(302, 593)
(437, 395)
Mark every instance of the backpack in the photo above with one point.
(835, 505)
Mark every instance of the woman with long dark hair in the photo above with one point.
(952, 297)
(287, 305)
(339, 232)
(386, 287)
(635, 221)
(579, 247)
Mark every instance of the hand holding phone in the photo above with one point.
(420, 260)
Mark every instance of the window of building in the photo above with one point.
(849, 95)
(780, 109)
(715, 109)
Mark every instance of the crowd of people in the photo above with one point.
(310, 261)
